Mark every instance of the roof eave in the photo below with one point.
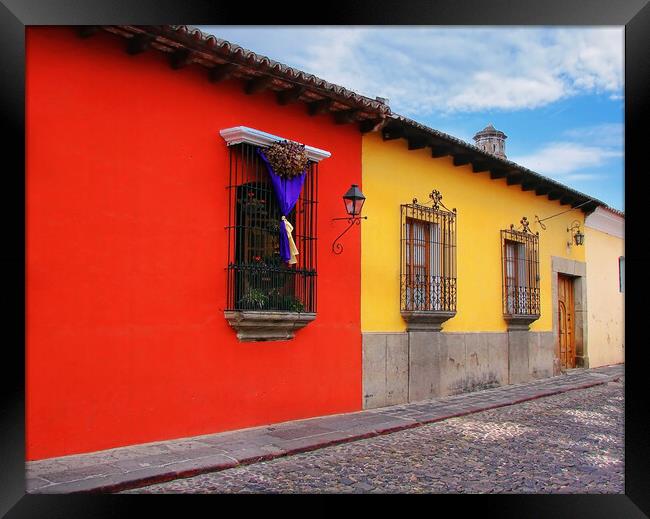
(222, 60)
(464, 153)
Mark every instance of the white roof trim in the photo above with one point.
(607, 222)
(239, 134)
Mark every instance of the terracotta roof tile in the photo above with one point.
(210, 50)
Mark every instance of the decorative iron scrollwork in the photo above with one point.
(435, 198)
(525, 227)
(337, 248)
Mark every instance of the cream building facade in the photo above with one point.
(605, 258)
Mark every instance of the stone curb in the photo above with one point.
(189, 468)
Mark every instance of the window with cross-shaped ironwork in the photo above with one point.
(520, 268)
(428, 256)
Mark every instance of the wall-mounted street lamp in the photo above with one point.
(578, 237)
(353, 200)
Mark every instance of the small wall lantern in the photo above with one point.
(578, 237)
(353, 200)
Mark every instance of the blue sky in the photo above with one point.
(557, 92)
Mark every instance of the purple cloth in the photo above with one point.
(287, 192)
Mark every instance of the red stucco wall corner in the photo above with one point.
(127, 255)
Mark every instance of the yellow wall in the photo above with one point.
(605, 325)
(392, 175)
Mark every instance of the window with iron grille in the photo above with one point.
(257, 277)
(621, 273)
(428, 257)
(520, 264)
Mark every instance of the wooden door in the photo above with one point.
(566, 318)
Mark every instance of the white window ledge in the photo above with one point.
(239, 134)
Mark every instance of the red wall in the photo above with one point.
(126, 207)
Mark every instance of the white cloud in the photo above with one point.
(606, 134)
(450, 69)
(576, 177)
(490, 90)
(561, 159)
(593, 59)
(587, 154)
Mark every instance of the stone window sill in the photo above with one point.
(258, 326)
(520, 321)
(425, 321)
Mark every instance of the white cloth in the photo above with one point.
(292, 245)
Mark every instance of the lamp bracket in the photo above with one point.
(337, 248)
(576, 235)
(575, 225)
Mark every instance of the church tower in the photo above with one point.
(492, 140)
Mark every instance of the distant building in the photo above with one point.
(492, 140)
(605, 255)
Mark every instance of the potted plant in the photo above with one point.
(255, 298)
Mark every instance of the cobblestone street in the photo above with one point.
(567, 443)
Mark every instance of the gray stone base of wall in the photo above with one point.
(419, 365)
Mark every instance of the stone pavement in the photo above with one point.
(569, 443)
(140, 465)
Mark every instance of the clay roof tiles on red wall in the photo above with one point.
(212, 52)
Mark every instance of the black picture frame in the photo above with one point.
(16, 14)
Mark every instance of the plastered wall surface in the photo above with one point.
(126, 253)
(393, 175)
(606, 308)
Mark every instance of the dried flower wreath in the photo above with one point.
(287, 158)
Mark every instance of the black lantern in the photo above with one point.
(353, 199)
(578, 237)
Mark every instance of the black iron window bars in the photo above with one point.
(257, 277)
(520, 271)
(428, 257)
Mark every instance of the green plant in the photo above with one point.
(292, 303)
(255, 298)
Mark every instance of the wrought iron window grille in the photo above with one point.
(257, 278)
(621, 274)
(428, 257)
(520, 271)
